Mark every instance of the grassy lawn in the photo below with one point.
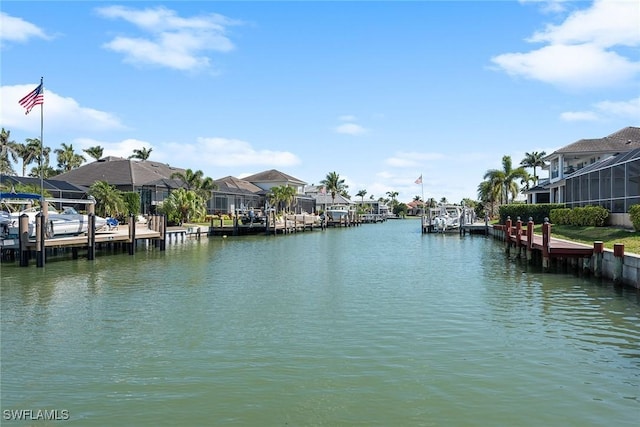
(588, 235)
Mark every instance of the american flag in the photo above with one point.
(33, 98)
(419, 180)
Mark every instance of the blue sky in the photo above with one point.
(379, 92)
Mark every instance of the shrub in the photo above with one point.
(634, 214)
(593, 216)
(538, 212)
(560, 216)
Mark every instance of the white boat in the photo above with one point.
(445, 218)
(304, 218)
(66, 223)
(337, 212)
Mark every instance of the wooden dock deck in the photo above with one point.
(549, 246)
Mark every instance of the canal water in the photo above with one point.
(376, 325)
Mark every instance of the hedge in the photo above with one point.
(538, 212)
(593, 216)
(634, 214)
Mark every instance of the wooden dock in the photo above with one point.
(543, 249)
(23, 247)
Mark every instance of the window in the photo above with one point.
(633, 178)
(618, 181)
(605, 183)
(594, 188)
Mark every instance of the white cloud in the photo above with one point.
(606, 23)
(630, 109)
(580, 51)
(14, 29)
(225, 152)
(350, 129)
(60, 113)
(171, 41)
(347, 118)
(572, 66)
(579, 116)
(606, 109)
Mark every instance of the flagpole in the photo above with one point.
(42, 145)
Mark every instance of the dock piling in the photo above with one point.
(598, 252)
(618, 254)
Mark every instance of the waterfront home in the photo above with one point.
(232, 194)
(602, 171)
(151, 180)
(268, 179)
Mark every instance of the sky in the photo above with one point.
(379, 92)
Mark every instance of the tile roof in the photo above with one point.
(273, 176)
(120, 172)
(233, 185)
(623, 140)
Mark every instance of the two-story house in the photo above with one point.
(573, 157)
(603, 171)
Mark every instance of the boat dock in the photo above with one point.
(550, 252)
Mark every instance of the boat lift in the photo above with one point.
(41, 235)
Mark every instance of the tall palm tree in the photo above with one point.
(282, 194)
(142, 154)
(8, 152)
(489, 193)
(506, 178)
(527, 180)
(361, 194)
(393, 195)
(67, 158)
(534, 160)
(196, 181)
(334, 185)
(28, 152)
(94, 152)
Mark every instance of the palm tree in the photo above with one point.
(8, 152)
(184, 205)
(488, 192)
(505, 178)
(196, 181)
(94, 152)
(67, 158)
(527, 180)
(142, 154)
(109, 200)
(282, 194)
(334, 184)
(29, 152)
(361, 194)
(393, 195)
(533, 160)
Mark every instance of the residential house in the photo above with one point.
(233, 194)
(603, 172)
(573, 157)
(273, 178)
(613, 183)
(152, 180)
